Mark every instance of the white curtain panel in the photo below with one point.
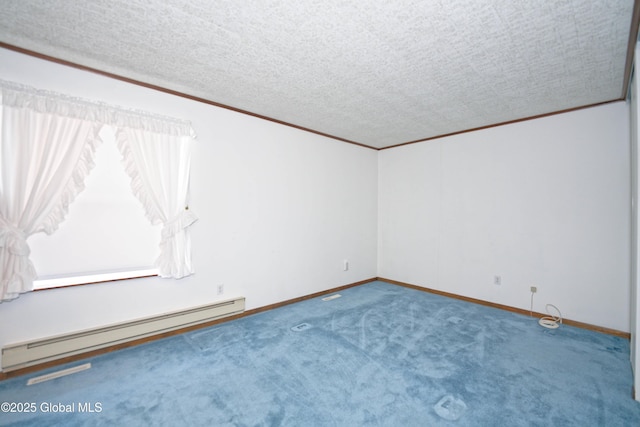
(159, 165)
(46, 151)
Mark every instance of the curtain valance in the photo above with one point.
(44, 101)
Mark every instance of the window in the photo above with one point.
(105, 235)
(47, 150)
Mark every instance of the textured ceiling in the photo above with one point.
(377, 73)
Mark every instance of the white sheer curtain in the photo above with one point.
(159, 165)
(46, 151)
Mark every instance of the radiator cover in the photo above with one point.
(22, 355)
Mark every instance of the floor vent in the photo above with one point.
(301, 327)
(58, 374)
(17, 356)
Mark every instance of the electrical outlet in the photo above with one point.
(534, 289)
(497, 280)
(220, 289)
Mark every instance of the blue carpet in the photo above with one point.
(381, 355)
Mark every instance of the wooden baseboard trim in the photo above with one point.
(75, 358)
(46, 365)
(509, 308)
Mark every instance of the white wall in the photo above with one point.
(280, 209)
(543, 202)
(540, 203)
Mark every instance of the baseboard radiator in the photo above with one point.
(22, 355)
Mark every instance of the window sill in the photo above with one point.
(52, 282)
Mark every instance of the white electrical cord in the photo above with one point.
(531, 307)
(551, 321)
